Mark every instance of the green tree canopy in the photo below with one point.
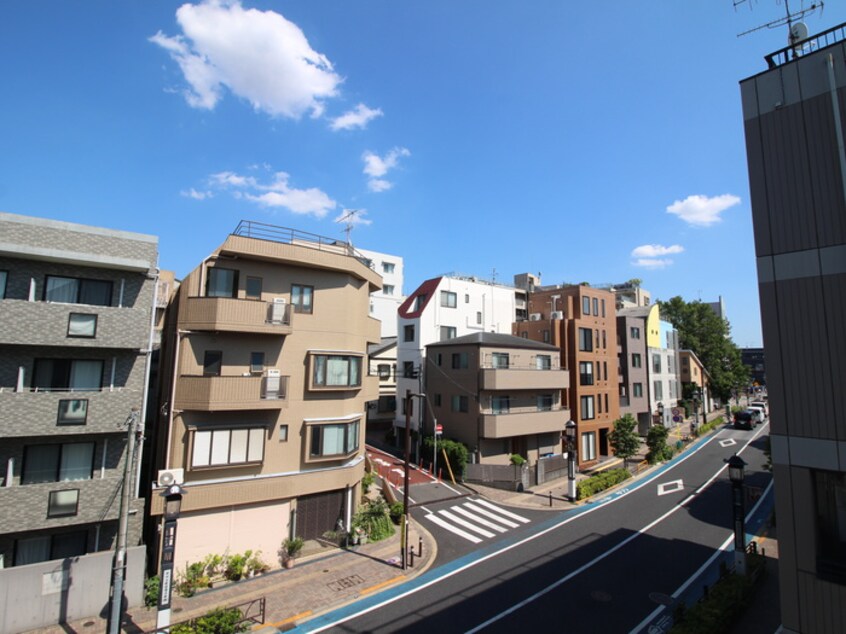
(624, 439)
(708, 336)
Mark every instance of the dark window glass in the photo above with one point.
(67, 375)
(222, 282)
(71, 290)
(253, 289)
(302, 297)
(212, 362)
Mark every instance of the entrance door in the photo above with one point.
(319, 513)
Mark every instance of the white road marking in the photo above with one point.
(728, 442)
(495, 516)
(519, 518)
(479, 520)
(670, 487)
(461, 522)
(453, 529)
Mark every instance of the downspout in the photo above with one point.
(170, 408)
(147, 370)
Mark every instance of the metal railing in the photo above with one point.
(810, 45)
(251, 612)
(286, 235)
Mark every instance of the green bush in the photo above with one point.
(656, 441)
(192, 579)
(456, 452)
(236, 566)
(395, 511)
(219, 621)
(374, 521)
(367, 481)
(151, 591)
(517, 459)
(601, 481)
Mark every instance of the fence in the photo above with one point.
(252, 612)
(499, 476)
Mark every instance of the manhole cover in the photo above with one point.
(660, 597)
(599, 595)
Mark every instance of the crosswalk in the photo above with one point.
(476, 520)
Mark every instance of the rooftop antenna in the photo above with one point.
(796, 30)
(349, 218)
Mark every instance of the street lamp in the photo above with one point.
(735, 469)
(173, 504)
(661, 413)
(570, 434)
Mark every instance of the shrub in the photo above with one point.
(367, 481)
(656, 440)
(291, 547)
(456, 453)
(395, 511)
(218, 621)
(601, 481)
(517, 459)
(151, 591)
(236, 566)
(374, 521)
(192, 579)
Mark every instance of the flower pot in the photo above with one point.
(289, 563)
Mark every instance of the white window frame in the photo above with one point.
(215, 448)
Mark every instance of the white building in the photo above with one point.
(384, 303)
(443, 308)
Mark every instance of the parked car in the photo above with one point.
(745, 419)
(761, 410)
(763, 405)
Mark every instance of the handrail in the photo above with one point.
(811, 44)
(246, 610)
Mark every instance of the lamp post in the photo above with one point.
(173, 503)
(661, 413)
(696, 395)
(735, 469)
(119, 567)
(404, 534)
(570, 435)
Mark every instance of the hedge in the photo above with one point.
(601, 481)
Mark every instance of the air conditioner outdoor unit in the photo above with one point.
(272, 381)
(534, 317)
(277, 310)
(557, 314)
(171, 476)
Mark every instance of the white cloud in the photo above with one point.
(655, 250)
(277, 193)
(196, 195)
(652, 263)
(376, 167)
(702, 211)
(258, 55)
(357, 118)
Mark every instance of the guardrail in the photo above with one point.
(251, 612)
(814, 43)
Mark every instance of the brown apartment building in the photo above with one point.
(581, 322)
(264, 392)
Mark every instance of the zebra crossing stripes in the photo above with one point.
(476, 520)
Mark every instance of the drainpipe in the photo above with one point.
(147, 369)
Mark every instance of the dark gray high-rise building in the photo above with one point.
(794, 115)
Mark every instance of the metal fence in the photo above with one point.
(252, 613)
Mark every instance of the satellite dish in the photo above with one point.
(798, 33)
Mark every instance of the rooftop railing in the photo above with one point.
(810, 45)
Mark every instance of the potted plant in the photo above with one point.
(291, 550)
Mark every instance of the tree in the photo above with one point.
(708, 336)
(656, 440)
(624, 439)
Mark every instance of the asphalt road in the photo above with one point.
(605, 567)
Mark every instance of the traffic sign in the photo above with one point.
(676, 411)
(677, 419)
(439, 429)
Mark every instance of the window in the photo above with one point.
(637, 360)
(596, 306)
(388, 267)
(408, 332)
(335, 370)
(830, 510)
(384, 370)
(459, 360)
(386, 404)
(67, 375)
(256, 362)
(478, 318)
(637, 390)
(606, 401)
(524, 334)
(597, 338)
(71, 290)
(544, 402)
(459, 404)
(604, 369)
(222, 282)
(408, 369)
(634, 332)
(419, 302)
(334, 440)
(212, 362)
(588, 446)
(467, 298)
(670, 364)
(500, 360)
(437, 400)
(3, 276)
(253, 290)
(222, 447)
(585, 340)
(439, 359)
(447, 333)
(585, 373)
(658, 389)
(604, 340)
(602, 303)
(656, 363)
(546, 336)
(302, 298)
(448, 299)
(72, 411)
(82, 325)
(388, 289)
(63, 503)
(587, 407)
(543, 362)
(33, 550)
(599, 403)
(500, 404)
(58, 462)
(599, 372)
(585, 305)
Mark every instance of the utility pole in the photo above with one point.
(404, 536)
(119, 566)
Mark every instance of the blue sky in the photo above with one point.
(587, 141)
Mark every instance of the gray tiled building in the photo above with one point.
(75, 308)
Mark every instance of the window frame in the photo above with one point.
(545, 402)
(214, 271)
(65, 367)
(408, 333)
(588, 446)
(637, 360)
(500, 404)
(92, 335)
(4, 280)
(209, 363)
(250, 429)
(500, 360)
(585, 340)
(460, 360)
(585, 306)
(26, 477)
(637, 390)
(248, 292)
(459, 404)
(586, 373)
(587, 409)
(354, 379)
(71, 420)
(79, 290)
(257, 368)
(53, 495)
(449, 299)
(448, 332)
(352, 432)
(302, 298)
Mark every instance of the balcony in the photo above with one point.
(227, 314)
(516, 378)
(228, 393)
(524, 423)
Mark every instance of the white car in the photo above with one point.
(763, 405)
(762, 413)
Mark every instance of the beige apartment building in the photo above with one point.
(264, 393)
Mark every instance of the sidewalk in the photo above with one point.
(319, 582)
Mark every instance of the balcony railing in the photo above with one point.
(219, 393)
(236, 315)
(810, 45)
(524, 423)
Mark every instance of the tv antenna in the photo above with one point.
(349, 217)
(796, 30)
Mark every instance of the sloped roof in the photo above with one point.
(496, 339)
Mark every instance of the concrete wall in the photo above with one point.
(59, 591)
